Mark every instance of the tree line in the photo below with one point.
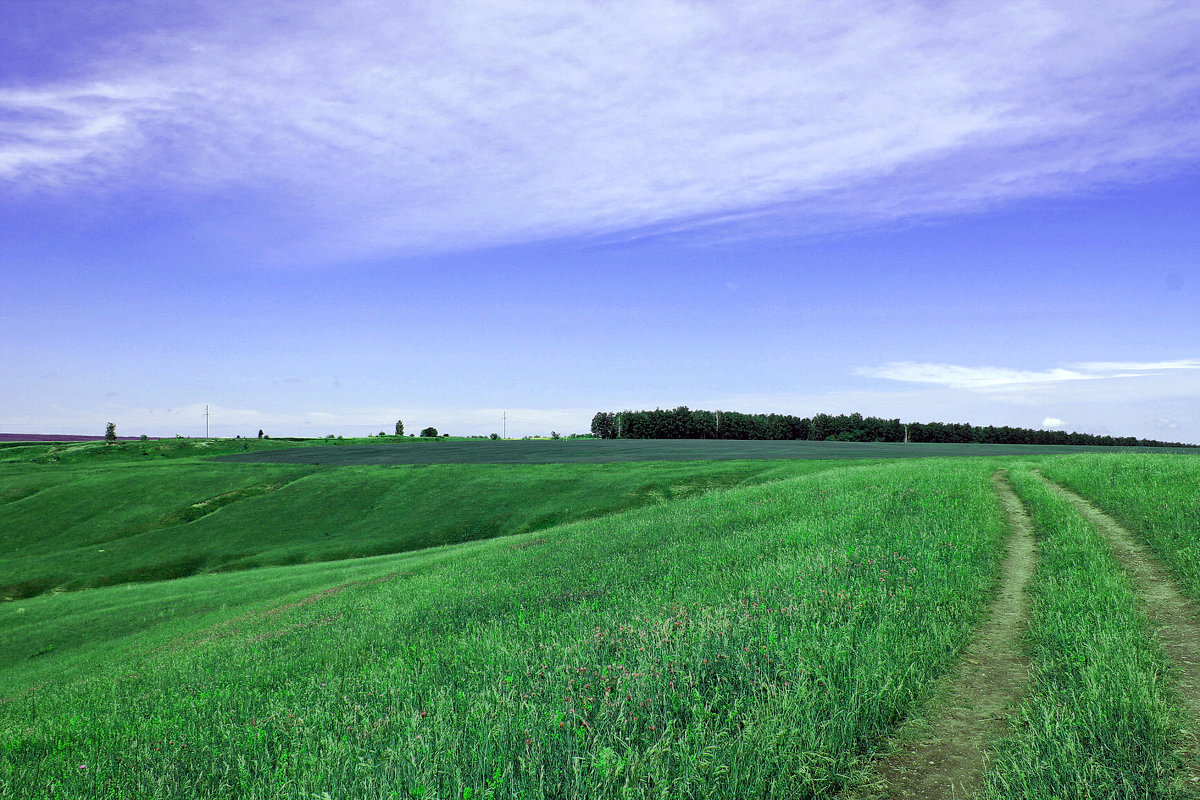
(684, 423)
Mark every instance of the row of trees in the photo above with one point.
(683, 423)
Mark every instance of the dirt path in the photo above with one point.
(947, 759)
(1175, 616)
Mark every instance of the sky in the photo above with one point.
(321, 218)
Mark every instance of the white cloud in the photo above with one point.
(1138, 366)
(960, 377)
(1135, 398)
(441, 126)
(1001, 379)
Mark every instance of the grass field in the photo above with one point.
(593, 451)
(65, 527)
(1157, 498)
(1099, 720)
(724, 629)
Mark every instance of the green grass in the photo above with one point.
(152, 450)
(470, 451)
(659, 629)
(1099, 721)
(756, 642)
(73, 526)
(1157, 498)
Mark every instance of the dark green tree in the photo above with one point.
(110, 432)
(603, 425)
(399, 428)
(430, 431)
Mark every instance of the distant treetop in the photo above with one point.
(683, 423)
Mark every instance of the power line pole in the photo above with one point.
(504, 424)
(206, 420)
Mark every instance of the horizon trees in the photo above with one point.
(684, 423)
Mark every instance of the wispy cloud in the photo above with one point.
(1137, 366)
(1000, 379)
(440, 126)
(960, 377)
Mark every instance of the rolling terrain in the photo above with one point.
(725, 629)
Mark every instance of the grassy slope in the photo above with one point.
(81, 525)
(1098, 722)
(1157, 498)
(746, 643)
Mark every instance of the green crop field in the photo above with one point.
(762, 627)
(591, 451)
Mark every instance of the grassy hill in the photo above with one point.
(728, 629)
(653, 645)
(79, 524)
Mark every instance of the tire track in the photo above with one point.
(1175, 616)
(975, 702)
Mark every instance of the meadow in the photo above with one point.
(659, 629)
(593, 451)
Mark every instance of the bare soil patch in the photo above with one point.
(947, 756)
(1175, 616)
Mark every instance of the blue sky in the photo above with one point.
(321, 220)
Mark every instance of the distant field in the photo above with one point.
(594, 451)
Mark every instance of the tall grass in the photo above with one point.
(78, 526)
(1155, 497)
(756, 642)
(1099, 721)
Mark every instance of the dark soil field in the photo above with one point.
(611, 450)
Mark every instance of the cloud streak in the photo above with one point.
(1004, 379)
(460, 124)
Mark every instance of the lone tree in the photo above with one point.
(260, 433)
(399, 427)
(429, 432)
(110, 432)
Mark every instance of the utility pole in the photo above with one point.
(504, 424)
(206, 420)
